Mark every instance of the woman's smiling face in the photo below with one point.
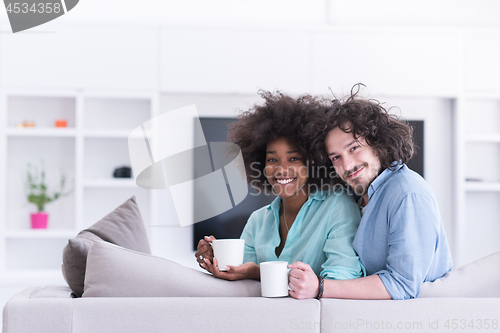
(285, 169)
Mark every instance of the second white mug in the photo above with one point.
(274, 278)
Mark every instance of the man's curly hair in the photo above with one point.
(282, 116)
(390, 136)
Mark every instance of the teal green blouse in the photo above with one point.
(321, 235)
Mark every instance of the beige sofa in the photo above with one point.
(464, 300)
(127, 290)
(52, 310)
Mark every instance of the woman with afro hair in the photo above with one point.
(312, 221)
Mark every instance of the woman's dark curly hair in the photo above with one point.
(390, 136)
(282, 116)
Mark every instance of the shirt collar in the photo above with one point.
(318, 195)
(382, 178)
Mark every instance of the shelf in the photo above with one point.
(482, 186)
(92, 145)
(103, 133)
(40, 233)
(110, 183)
(491, 138)
(41, 132)
(482, 95)
(67, 132)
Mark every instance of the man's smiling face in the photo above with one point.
(353, 159)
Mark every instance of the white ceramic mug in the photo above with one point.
(274, 278)
(228, 252)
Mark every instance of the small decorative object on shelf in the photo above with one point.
(123, 172)
(38, 194)
(29, 124)
(61, 123)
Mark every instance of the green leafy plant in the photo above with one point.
(37, 188)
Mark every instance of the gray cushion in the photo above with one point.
(478, 279)
(113, 271)
(124, 226)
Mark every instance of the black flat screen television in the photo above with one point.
(230, 223)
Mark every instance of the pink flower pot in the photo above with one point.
(39, 220)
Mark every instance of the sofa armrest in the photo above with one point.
(47, 309)
(52, 292)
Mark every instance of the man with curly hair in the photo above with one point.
(401, 239)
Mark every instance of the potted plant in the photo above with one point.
(38, 194)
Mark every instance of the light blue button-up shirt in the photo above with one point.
(321, 235)
(401, 236)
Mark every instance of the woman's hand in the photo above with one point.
(204, 251)
(248, 270)
(303, 282)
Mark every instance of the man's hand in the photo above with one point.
(204, 251)
(303, 282)
(247, 270)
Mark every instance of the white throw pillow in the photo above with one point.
(478, 279)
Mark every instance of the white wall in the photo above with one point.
(429, 13)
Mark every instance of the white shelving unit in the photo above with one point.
(484, 138)
(93, 144)
(39, 233)
(478, 175)
(40, 132)
(109, 183)
(106, 133)
(482, 186)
